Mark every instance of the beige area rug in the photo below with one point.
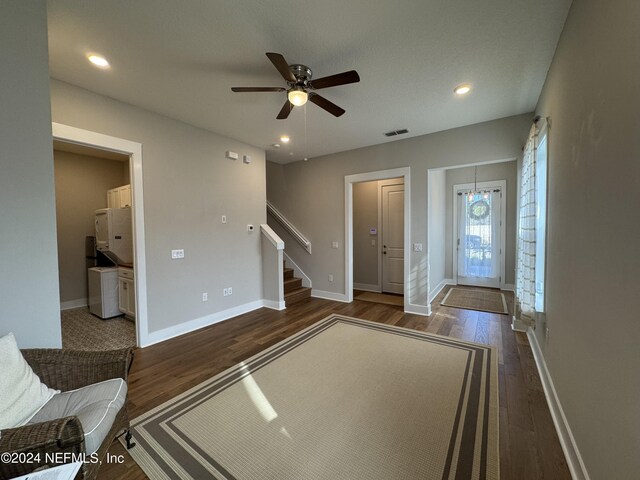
(483, 300)
(83, 331)
(397, 300)
(342, 399)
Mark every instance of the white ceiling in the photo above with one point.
(181, 58)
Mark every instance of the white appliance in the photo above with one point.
(103, 292)
(113, 234)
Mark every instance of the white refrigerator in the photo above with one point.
(103, 292)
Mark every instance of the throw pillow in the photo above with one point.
(22, 393)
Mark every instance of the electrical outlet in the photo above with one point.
(225, 292)
(230, 291)
(334, 244)
(331, 277)
(175, 254)
(205, 296)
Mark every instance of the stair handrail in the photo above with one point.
(272, 236)
(293, 231)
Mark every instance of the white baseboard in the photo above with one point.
(80, 302)
(367, 287)
(509, 287)
(297, 271)
(424, 310)
(198, 323)
(274, 305)
(434, 293)
(338, 297)
(567, 441)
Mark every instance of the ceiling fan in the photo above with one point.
(301, 87)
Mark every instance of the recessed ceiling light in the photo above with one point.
(98, 61)
(284, 139)
(462, 89)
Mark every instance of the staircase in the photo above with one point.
(294, 292)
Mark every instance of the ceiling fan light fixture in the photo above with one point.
(297, 96)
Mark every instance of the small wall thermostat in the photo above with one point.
(373, 231)
(231, 155)
(246, 159)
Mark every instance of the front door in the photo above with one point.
(393, 238)
(478, 243)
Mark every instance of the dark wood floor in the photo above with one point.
(529, 446)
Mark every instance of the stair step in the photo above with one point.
(288, 273)
(291, 284)
(297, 295)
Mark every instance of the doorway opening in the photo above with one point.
(98, 285)
(398, 278)
(378, 241)
(483, 219)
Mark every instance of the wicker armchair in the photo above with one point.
(65, 370)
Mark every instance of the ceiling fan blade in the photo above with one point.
(258, 89)
(330, 107)
(285, 111)
(281, 64)
(343, 78)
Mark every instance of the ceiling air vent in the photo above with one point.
(393, 133)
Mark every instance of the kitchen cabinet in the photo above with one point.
(127, 291)
(119, 197)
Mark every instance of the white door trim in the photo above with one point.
(502, 184)
(349, 180)
(79, 136)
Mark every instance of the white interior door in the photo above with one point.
(479, 247)
(393, 238)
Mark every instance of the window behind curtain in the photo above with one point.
(541, 218)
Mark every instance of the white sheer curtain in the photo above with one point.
(526, 256)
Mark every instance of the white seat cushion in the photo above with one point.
(96, 406)
(21, 391)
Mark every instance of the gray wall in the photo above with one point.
(437, 228)
(29, 304)
(188, 185)
(81, 189)
(496, 171)
(365, 216)
(593, 350)
(311, 194)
